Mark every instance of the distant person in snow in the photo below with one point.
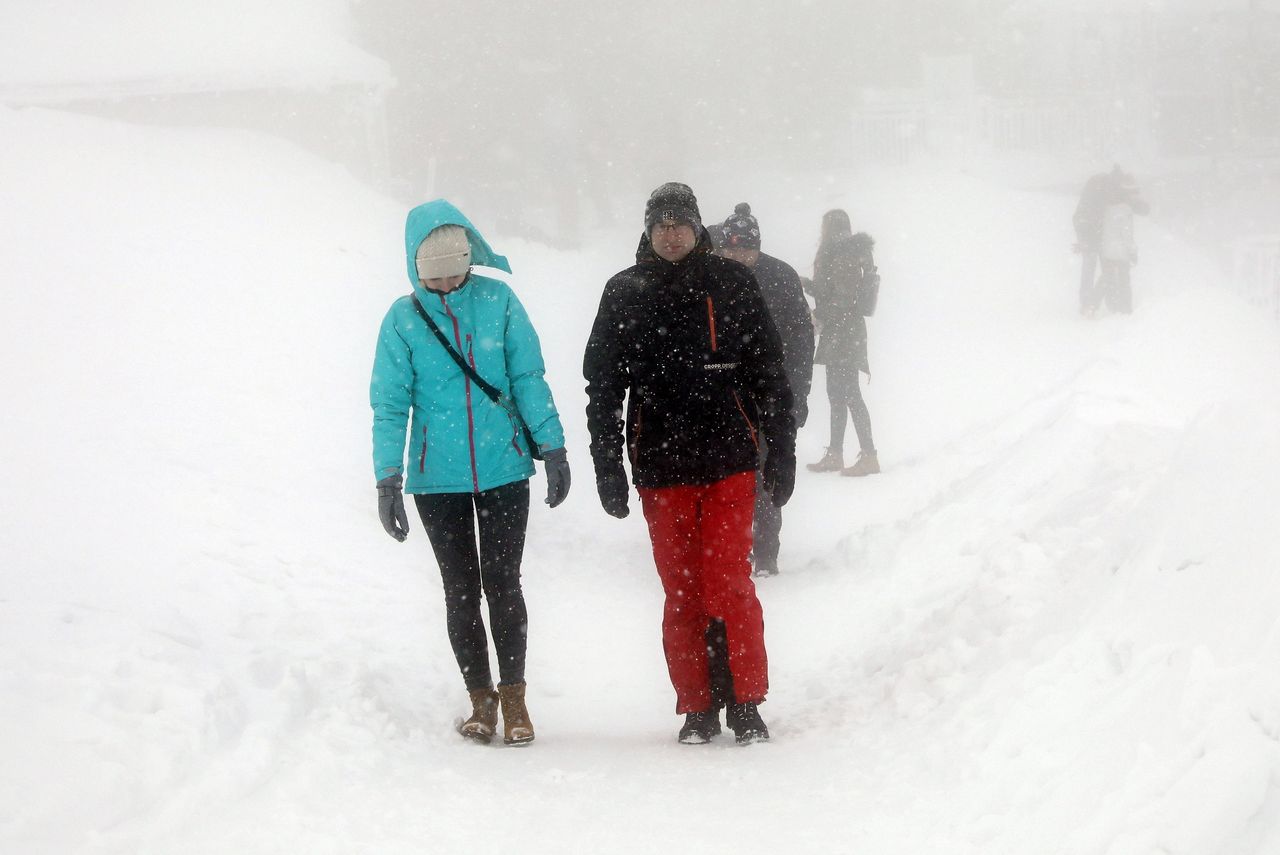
(470, 454)
(684, 338)
(845, 286)
(1103, 223)
(780, 285)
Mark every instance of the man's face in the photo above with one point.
(742, 255)
(673, 241)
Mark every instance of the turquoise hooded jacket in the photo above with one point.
(459, 441)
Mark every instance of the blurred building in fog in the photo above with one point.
(1096, 80)
(287, 68)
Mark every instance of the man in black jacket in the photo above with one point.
(780, 285)
(685, 338)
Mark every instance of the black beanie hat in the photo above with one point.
(672, 201)
(741, 231)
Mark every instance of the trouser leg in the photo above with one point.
(729, 593)
(504, 517)
(672, 516)
(767, 528)
(861, 416)
(718, 664)
(450, 524)
(1118, 292)
(838, 395)
(1089, 281)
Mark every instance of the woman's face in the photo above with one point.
(444, 284)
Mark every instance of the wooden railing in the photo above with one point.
(1255, 261)
(900, 132)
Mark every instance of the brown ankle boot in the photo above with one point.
(516, 727)
(484, 715)
(832, 461)
(866, 464)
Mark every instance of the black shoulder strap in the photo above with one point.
(490, 391)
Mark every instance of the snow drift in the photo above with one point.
(1049, 626)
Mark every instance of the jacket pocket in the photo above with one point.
(711, 324)
(635, 435)
(751, 428)
(515, 429)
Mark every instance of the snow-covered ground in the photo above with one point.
(1051, 626)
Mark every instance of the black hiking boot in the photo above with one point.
(700, 727)
(747, 725)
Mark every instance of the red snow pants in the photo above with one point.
(701, 537)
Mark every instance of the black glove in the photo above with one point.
(801, 412)
(556, 465)
(779, 475)
(391, 507)
(611, 483)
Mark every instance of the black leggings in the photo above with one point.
(846, 399)
(450, 522)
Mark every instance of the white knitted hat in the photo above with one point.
(444, 252)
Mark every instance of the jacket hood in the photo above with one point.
(423, 219)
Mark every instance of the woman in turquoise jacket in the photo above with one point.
(468, 457)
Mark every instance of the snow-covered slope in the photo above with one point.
(1049, 626)
(59, 49)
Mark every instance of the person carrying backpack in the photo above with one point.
(1103, 222)
(844, 288)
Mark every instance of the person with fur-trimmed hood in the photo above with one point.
(684, 339)
(739, 240)
(844, 283)
(469, 453)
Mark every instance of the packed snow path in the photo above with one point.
(1049, 626)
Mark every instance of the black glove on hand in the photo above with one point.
(801, 413)
(611, 483)
(391, 507)
(556, 465)
(779, 476)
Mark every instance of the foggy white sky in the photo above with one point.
(525, 108)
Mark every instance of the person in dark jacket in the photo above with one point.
(780, 285)
(470, 462)
(685, 339)
(1103, 222)
(844, 272)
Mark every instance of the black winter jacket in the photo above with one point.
(780, 285)
(839, 267)
(693, 346)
